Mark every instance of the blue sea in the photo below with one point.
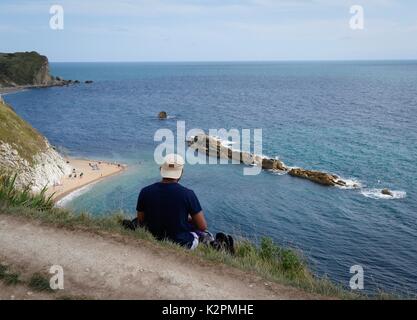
(354, 119)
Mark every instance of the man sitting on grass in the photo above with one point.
(169, 210)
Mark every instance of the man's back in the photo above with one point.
(166, 207)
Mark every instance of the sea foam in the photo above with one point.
(71, 196)
(351, 183)
(377, 194)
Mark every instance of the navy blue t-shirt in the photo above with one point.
(166, 207)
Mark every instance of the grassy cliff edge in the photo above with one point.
(17, 133)
(285, 266)
(25, 151)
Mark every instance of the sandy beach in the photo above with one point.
(84, 172)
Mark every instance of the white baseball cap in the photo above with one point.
(173, 166)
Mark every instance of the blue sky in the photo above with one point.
(210, 30)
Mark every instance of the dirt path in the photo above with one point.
(109, 267)
(21, 292)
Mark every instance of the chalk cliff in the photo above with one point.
(24, 151)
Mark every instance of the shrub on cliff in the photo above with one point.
(11, 196)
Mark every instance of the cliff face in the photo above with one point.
(25, 151)
(42, 76)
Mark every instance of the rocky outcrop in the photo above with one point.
(323, 178)
(214, 147)
(27, 70)
(273, 164)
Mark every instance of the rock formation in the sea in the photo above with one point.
(213, 147)
(27, 70)
(88, 81)
(162, 115)
(319, 177)
(387, 192)
(26, 152)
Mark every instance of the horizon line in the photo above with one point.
(235, 61)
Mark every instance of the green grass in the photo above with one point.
(19, 134)
(274, 263)
(8, 277)
(24, 198)
(39, 282)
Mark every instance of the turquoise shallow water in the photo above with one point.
(356, 119)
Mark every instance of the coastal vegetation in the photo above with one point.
(11, 277)
(37, 282)
(23, 197)
(8, 277)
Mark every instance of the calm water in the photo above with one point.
(355, 119)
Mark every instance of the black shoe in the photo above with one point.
(128, 225)
(223, 242)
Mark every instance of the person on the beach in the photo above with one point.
(169, 210)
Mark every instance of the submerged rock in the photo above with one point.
(162, 115)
